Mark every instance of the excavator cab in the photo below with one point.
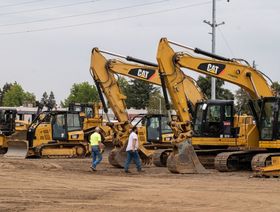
(270, 119)
(214, 118)
(59, 123)
(156, 128)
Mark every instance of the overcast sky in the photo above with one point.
(45, 45)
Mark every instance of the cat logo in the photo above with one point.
(143, 73)
(214, 68)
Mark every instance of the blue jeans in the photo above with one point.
(96, 156)
(130, 154)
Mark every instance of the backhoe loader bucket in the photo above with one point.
(184, 160)
(17, 149)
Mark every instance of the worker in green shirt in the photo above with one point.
(95, 142)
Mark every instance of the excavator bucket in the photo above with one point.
(17, 149)
(117, 157)
(183, 160)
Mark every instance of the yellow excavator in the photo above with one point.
(260, 142)
(153, 129)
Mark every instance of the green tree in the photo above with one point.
(45, 97)
(276, 87)
(123, 83)
(51, 100)
(5, 88)
(241, 99)
(16, 96)
(221, 93)
(81, 93)
(138, 94)
(156, 104)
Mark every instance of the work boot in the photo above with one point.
(127, 172)
(141, 170)
(93, 169)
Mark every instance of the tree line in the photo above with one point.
(140, 95)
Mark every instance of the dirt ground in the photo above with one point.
(70, 185)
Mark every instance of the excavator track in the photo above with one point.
(234, 161)
(184, 160)
(262, 160)
(207, 157)
(160, 157)
(60, 150)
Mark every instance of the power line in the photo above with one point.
(48, 8)
(225, 40)
(22, 3)
(83, 14)
(108, 20)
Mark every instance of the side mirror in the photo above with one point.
(204, 106)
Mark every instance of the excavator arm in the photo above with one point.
(236, 71)
(230, 70)
(106, 81)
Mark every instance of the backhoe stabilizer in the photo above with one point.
(17, 149)
(183, 160)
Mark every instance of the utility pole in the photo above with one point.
(213, 26)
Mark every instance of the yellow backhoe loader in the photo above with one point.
(260, 141)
